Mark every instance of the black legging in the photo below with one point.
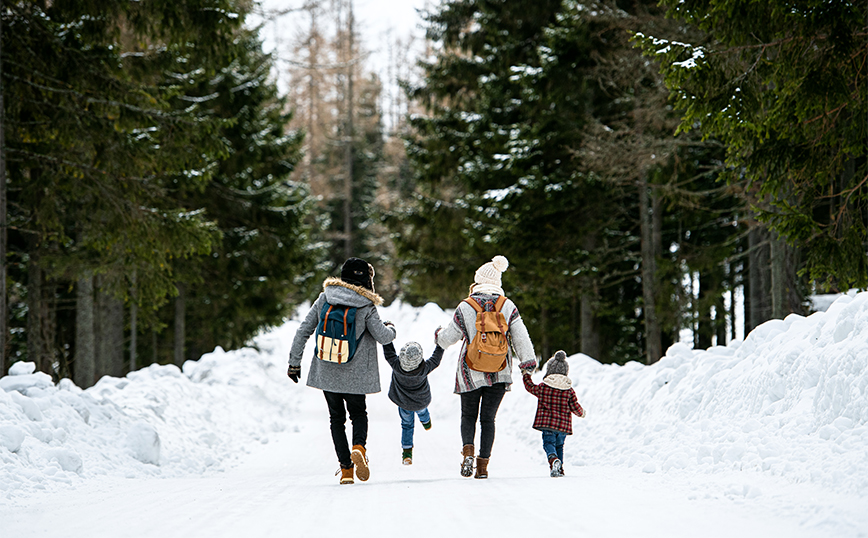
(490, 398)
(355, 405)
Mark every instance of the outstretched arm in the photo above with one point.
(522, 345)
(574, 405)
(391, 356)
(307, 327)
(451, 333)
(381, 332)
(529, 385)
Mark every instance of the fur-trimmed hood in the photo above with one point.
(332, 282)
(558, 381)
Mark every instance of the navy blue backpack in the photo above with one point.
(336, 333)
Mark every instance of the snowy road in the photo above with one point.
(287, 487)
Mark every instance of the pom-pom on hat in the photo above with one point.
(489, 273)
(558, 364)
(410, 356)
(359, 272)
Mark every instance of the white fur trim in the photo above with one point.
(364, 292)
(558, 381)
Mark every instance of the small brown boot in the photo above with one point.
(481, 468)
(467, 460)
(361, 462)
(346, 475)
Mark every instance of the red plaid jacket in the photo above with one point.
(554, 408)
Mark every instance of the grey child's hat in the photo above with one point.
(410, 356)
(558, 364)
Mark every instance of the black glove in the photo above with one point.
(437, 333)
(390, 324)
(294, 372)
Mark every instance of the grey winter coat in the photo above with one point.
(361, 375)
(410, 390)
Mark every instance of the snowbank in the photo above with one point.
(158, 421)
(791, 401)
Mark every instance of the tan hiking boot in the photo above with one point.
(346, 476)
(481, 468)
(467, 460)
(361, 462)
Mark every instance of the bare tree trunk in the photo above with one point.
(114, 331)
(348, 178)
(134, 318)
(760, 289)
(653, 341)
(4, 327)
(84, 366)
(100, 330)
(180, 331)
(35, 347)
(587, 308)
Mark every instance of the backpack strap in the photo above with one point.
(474, 304)
(500, 302)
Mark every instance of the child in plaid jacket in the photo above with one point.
(557, 402)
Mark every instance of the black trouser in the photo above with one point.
(355, 405)
(490, 398)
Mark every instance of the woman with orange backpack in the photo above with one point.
(493, 336)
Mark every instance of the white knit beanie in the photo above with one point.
(410, 356)
(489, 273)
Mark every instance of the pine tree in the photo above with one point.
(783, 86)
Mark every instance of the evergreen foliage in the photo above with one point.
(540, 120)
(146, 148)
(783, 86)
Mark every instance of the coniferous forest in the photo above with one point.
(653, 170)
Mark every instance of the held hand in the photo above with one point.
(437, 333)
(294, 372)
(389, 324)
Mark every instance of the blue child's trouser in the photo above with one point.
(553, 444)
(408, 418)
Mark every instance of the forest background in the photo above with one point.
(652, 170)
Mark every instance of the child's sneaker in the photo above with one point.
(361, 462)
(408, 456)
(556, 468)
(427, 425)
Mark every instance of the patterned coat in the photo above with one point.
(463, 327)
(557, 400)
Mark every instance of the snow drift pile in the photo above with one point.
(791, 400)
(158, 421)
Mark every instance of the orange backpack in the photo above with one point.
(489, 347)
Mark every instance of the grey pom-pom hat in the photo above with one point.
(558, 364)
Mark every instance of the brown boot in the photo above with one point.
(361, 462)
(346, 475)
(467, 460)
(481, 468)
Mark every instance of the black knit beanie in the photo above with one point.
(558, 364)
(359, 272)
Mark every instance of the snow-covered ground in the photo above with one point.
(762, 438)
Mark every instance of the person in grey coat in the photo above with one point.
(410, 390)
(345, 385)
